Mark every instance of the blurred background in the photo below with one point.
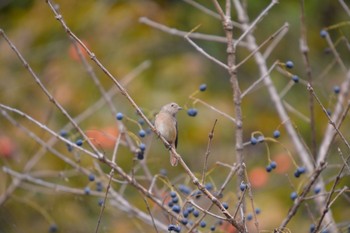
(172, 71)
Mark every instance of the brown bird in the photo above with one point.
(166, 124)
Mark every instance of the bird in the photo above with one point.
(166, 124)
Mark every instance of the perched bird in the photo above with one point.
(166, 124)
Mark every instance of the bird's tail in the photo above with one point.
(173, 159)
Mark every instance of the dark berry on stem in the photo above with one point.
(142, 133)
(184, 189)
(91, 177)
(323, 33)
(99, 186)
(336, 89)
(276, 134)
(317, 189)
(195, 213)
(192, 112)
(312, 228)
(53, 228)
(140, 155)
(268, 168)
(301, 170)
(185, 213)
(184, 221)
(295, 78)
(257, 210)
(175, 200)
(79, 142)
(273, 164)
(100, 202)
(249, 217)
(242, 186)
(142, 147)
(261, 138)
(203, 224)
(63, 133)
(203, 87)
(173, 194)
(87, 190)
(209, 186)
(225, 205)
(176, 209)
(253, 141)
(293, 195)
(119, 116)
(289, 64)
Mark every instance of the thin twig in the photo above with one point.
(207, 153)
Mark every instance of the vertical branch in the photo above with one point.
(305, 53)
(231, 62)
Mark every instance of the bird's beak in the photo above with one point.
(179, 108)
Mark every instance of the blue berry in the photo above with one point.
(173, 194)
(176, 208)
(79, 142)
(195, 213)
(119, 116)
(261, 138)
(301, 170)
(170, 204)
(142, 147)
(293, 196)
(212, 227)
(171, 227)
(203, 87)
(53, 228)
(253, 141)
(242, 186)
(249, 217)
(184, 189)
(312, 228)
(317, 189)
(140, 155)
(203, 224)
(225, 205)
(190, 209)
(323, 33)
(142, 133)
(69, 147)
(99, 186)
(185, 213)
(289, 64)
(297, 174)
(177, 229)
(268, 168)
(192, 112)
(198, 194)
(257, 210)
(276, 134)
(87, 190)
(91, 177)
(63, 133)
(100, 202)
(184, 221)
(141, 121)
(295, 78)
(273, 164)
(162, 171)
(336, 89)
(209, 186)
(329, 112)
(175, 200)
